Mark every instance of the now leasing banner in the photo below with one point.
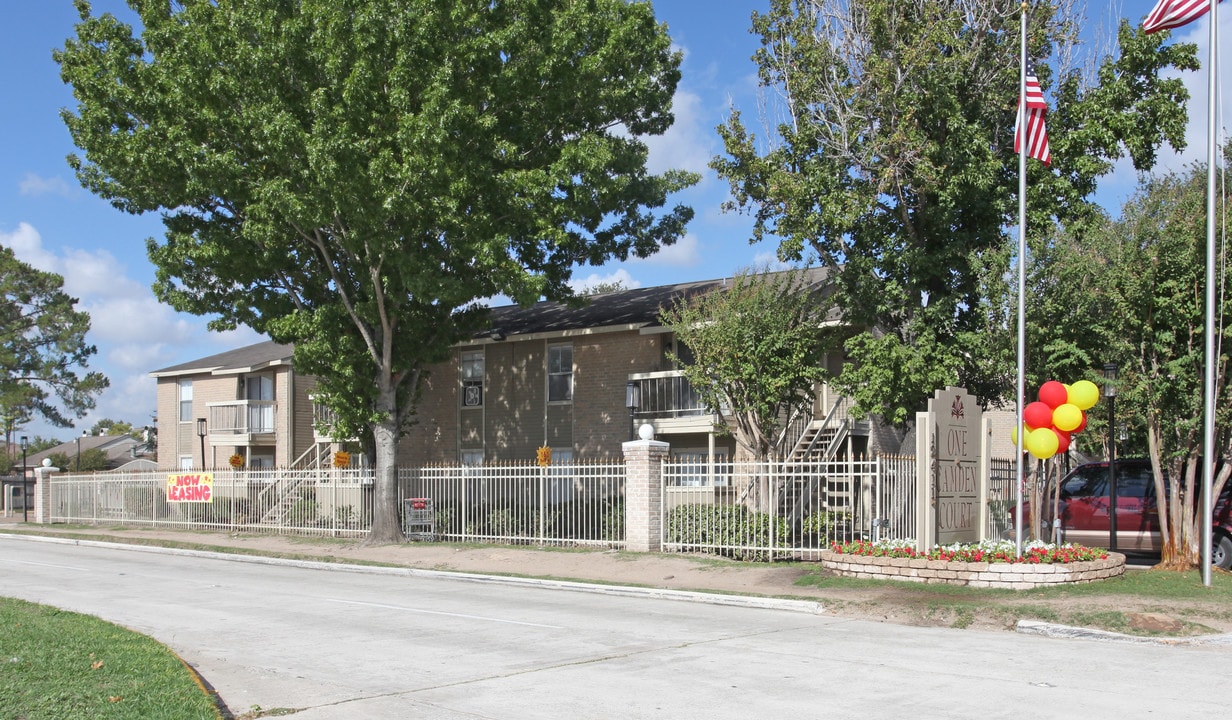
(190, 487)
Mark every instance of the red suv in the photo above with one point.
(1085, 516)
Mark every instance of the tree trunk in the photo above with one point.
(386, 523)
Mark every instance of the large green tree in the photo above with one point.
(755, 352)
(353, 175)
(1153, 276)
(44, 355)
(894, 161)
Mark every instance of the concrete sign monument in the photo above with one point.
(951, 477)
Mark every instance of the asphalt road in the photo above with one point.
(337, 644)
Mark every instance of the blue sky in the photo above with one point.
(55, 225)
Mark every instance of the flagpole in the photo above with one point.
(1208, 400)
(1022, 279)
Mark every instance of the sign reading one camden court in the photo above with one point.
(954, 419)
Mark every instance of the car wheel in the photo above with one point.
(1221, 552)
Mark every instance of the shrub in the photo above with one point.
(732, 530)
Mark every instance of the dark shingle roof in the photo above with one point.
(622, 308)
(264, 353)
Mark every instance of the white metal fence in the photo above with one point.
(1002, 495)
(312, 502)
(579, 504)
(744, 510)
(768, 510)
(574, 504)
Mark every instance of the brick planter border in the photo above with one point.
(1013, 576)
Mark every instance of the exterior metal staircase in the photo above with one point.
(810, 490)
(281, 495)
(316, 457)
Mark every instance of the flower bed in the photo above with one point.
(988, 564)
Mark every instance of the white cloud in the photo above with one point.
(769, 260)
(1196, 132)
(133, 332)
(1116, 187)
(686, 252)
(97, 274)
(688, 144)
(35, 185)
(619, 276)
(27, 244)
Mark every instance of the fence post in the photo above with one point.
(42, 492)
(925, 447)
(982, 477)
(644, 494)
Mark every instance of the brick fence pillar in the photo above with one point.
(42, 493)
(644, 494)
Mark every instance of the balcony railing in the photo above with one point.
(324, 421)
(242, 417)
(667, 395)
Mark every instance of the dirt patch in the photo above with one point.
(883, 601)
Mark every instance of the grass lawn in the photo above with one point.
(58, 665)
(1108, 604)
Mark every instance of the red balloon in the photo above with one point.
(1063, 440)
(1037, 415)
(1053, 393)
(1082, 425)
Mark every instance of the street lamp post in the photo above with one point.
(1110, 392)
(201, 434)
(633, 400)
(25, 482)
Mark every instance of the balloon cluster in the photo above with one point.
(1052, 420)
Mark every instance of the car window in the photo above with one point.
(1134, 482)
(1087, 482)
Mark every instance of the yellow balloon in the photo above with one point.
(1083, 394)
(1043, 443)
(1067, 417)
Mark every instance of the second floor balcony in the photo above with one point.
(242, 422)
(668, 401)
(323, 422)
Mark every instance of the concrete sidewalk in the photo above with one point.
(660, 571)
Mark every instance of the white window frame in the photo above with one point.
(186, 400)
(554, 361)
(260, 414)
(699, 464)
(472, 370)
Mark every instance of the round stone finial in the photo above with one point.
(46, 462)
(646, 432)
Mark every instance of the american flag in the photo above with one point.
(1037, 134)
(1170, 14)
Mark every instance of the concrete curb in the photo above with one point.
(810, 607)
(1034, 627)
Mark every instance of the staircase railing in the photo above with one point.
(311, 458)
(837, 410)
(797, 425)
(284, 491)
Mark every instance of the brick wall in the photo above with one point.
(516, 417)
(1010, 576)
